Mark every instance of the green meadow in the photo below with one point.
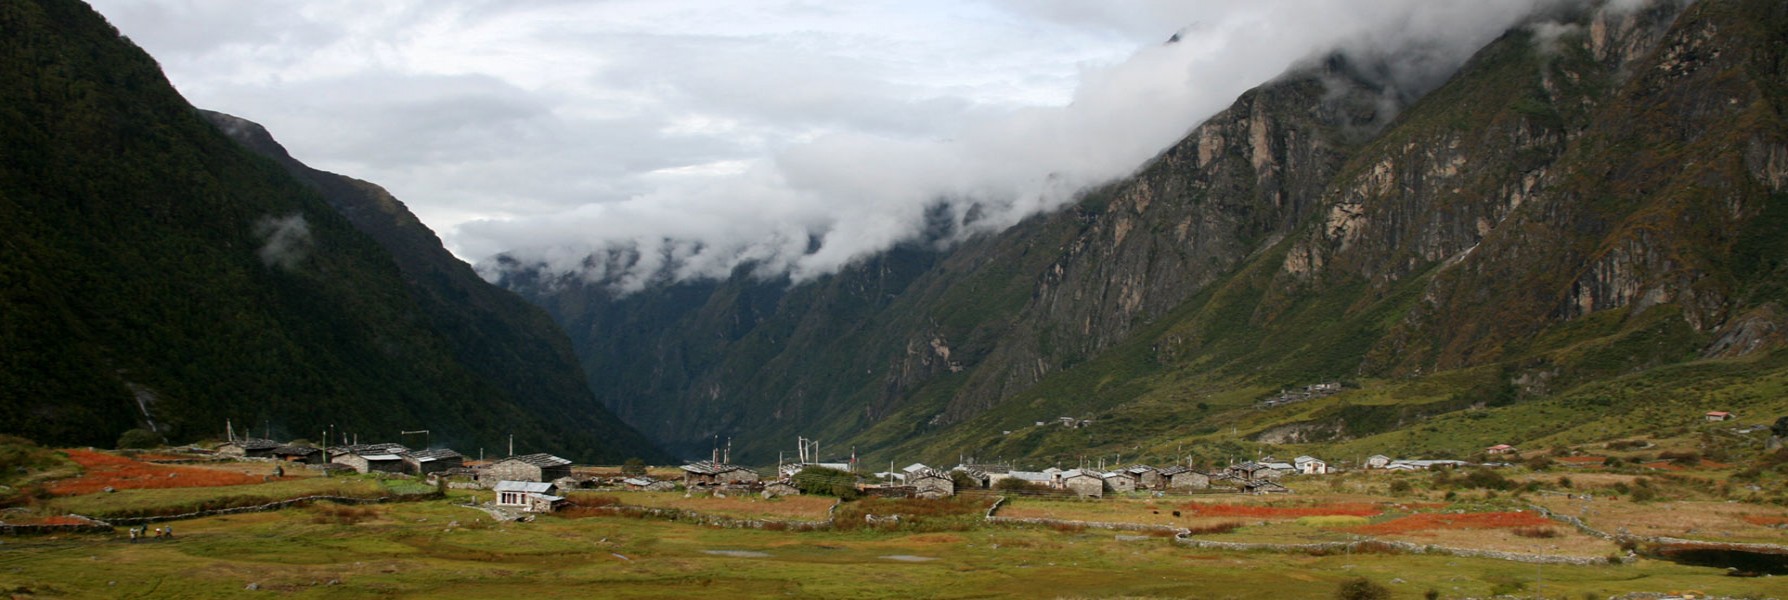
(441, 549)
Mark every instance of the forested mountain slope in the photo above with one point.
(155, 273)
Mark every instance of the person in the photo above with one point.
(168, 531)
(133, 535)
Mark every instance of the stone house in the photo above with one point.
(1084, 483)
(1378, 461)
(1120, 482)
(1184, 478)
(707, 472)
(370, 461)
(931, 483)
(1147, 477)
(1310, 465)
(1719, 415)
(248, 448)
(423, 462)
(527, 467)
(299, 454)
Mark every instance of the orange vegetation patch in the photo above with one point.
(1430, 521)
(117, 472)
(1265, 511)
(1766, 520)
(162, 457)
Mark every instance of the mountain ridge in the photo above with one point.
(1494, 236)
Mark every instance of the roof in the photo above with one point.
(364, 449)
(434, 454)
(1278, 465)
(372, 457)
(926, 473)
(708, 467)
(1082, 473)
(1140, 469)
(915, 467)
(1506, 446)
(1304, 459)
(542, 460)
(532, 487)
(298, 450)
(1035, 476)
(1175, 470)
(252, 444)
(1718, 413)
(639, 481)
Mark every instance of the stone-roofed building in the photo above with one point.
(1146, 476)
(369, 460)
(931, 483)
(423, 462)
(1085, 483)
(248, 448)
(299, 454)
(707, 472)
(1182, 478)
(527, 467)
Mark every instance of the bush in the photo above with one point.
(633, 467)
(1401, 487)
(1360, 588)
(138, 439)
(826, 482)
(1487, 479)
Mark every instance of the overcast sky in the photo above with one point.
(797, 134)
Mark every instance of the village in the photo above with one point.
(372, 515)
(538, 482)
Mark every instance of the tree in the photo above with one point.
(1360, 588)
(633, 467)
(138, 439)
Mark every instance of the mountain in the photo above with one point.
(1577, 235)
(157, 273)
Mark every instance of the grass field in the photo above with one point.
(791, 508)
(438, 550)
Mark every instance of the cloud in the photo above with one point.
(635, 140)
(285, 240)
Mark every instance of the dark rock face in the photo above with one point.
(1597, 173)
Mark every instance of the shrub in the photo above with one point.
(1401, 487)
(1360, 588)
(138, 439)
(1564, 482)
(633, 466)
(1537, 532)
(825, 482)
(1214, 529)
(341, 515)
(1487, 479)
